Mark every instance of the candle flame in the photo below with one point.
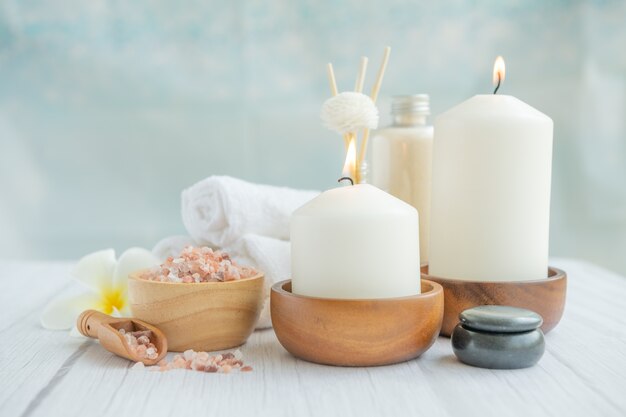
(349, 167)
(498, 71)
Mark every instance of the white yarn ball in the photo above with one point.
(349, 112)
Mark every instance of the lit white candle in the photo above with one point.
(492, 162)
(355, 242)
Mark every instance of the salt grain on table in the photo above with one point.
(202, 362)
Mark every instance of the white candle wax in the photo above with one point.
(492, 161)
(355, 242)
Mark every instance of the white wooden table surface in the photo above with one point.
(47, 373)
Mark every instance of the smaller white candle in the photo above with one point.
(355, 242)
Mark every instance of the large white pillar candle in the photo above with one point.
(353, 242)
(492, 161)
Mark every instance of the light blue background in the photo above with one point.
(108, 109)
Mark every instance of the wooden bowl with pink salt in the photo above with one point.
(201, 300)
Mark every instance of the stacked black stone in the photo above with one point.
(498, 337)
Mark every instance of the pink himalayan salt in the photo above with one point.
(204, 362)
(140, 343)
(199, 264)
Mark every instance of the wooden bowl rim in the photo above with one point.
(435, 289)
(134, 277)
(554, 274)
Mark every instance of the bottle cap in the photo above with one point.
(412, 104)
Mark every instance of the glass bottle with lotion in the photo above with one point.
(402, 159)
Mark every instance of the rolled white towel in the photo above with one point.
(219, 210)
(269, 255)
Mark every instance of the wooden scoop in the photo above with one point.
(106, 329)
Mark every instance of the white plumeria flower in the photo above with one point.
(105, 280)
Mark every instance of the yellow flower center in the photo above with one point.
(112, 299)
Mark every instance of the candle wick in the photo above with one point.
(346, 178)
(497, 86)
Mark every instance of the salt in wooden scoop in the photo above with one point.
(106, 329)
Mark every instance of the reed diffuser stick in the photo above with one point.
(332, 80)
(381, 74)
(360, 78)
(358, 87)
(334, 91)
(373, 96)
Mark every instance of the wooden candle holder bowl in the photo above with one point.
(203, 316)
(357, 332)
(544, 296)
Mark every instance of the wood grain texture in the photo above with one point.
(47, 373)
(545, 296)
(106, 329)
(357, 332)
(202, 316)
